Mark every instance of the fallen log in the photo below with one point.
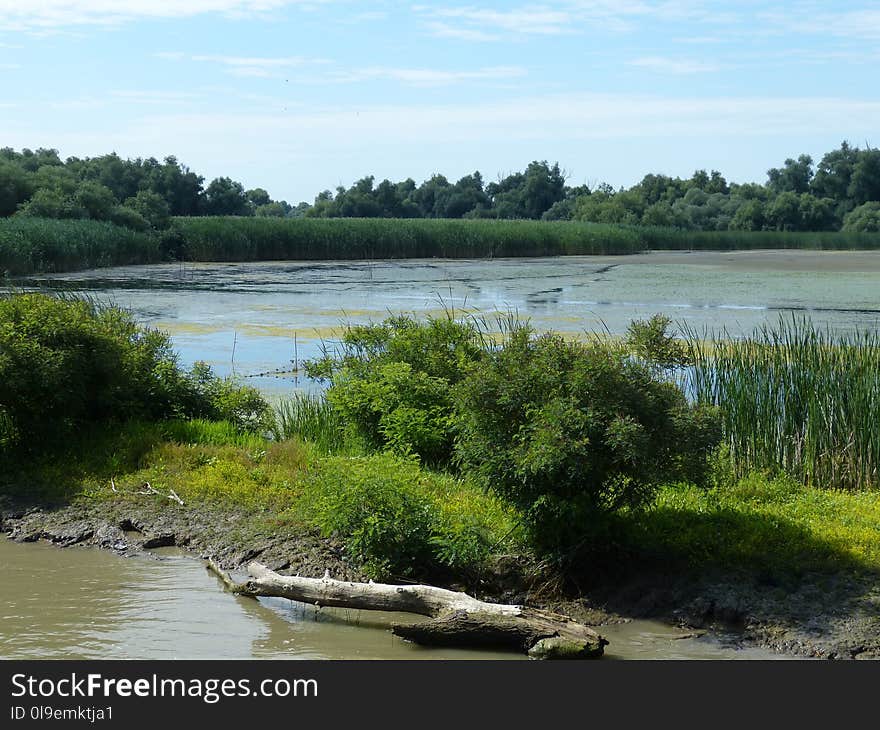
(457, 619)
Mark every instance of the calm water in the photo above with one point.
(85, 603)
(260, 317)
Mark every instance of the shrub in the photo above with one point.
(391, 383)
(570, 432)
(70, 363)
(397, 519)
(375, 505)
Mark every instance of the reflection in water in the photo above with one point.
(82, 603)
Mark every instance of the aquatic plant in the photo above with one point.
(36, 245)
(309, 418)
(797, 398)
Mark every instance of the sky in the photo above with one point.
(298, 96)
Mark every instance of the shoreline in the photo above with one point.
(751, 260)
(833, 617)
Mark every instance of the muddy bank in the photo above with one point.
(815, 616)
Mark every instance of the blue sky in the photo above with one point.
(301, 95)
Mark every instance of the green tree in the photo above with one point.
(793, 177)
(96, 200)
(16, 186)
(152, 207)
(864, 219)
(864, 184)
(226, 197)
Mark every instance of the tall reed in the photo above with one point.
(256, 239)
(309, 418)
(37, 245)
(796, 397)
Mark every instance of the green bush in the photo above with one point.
(70, 363)
(399, 520)
(376, 506)
(571, 432)
(391, 383)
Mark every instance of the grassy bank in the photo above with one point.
(398, 519)
(30, 246)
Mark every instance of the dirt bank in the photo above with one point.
(835, 617)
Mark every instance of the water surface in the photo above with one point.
(262, 317)
(84, 603)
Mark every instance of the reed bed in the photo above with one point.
(35, 245)
(255, 239)
(797, 398)
(309, 418)
(38, 245)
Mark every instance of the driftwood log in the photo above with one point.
(457, 619)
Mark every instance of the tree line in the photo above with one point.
(840, 192)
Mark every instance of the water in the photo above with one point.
(83, 603)
(256, 318)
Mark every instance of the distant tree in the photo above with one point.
(122, 215)
(96, 200)
(817, 214)
(864, 219)
(16, 187)
(258, 197)
(152, 207)
(784, 212)
(793, 177)
(660, 214)
(864, 184)
(226, 197)
(51, 203)
(834, 172)
(748, 217)
(427, 195)
(272, 210)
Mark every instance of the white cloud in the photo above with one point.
(162, 98)
(427, 76)
(481, 24)
(557, 117)
(247, 66)
(40, 15)
(861, 24)
(321, 72)
(660, 64)
(445, 30)
(564, 17)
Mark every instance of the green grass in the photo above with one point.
(309, 418)
(796, 398)
(37, 245)
(397, 518)
(774, 528)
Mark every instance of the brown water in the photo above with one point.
(84, 603)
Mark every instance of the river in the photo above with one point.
(84, 603)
